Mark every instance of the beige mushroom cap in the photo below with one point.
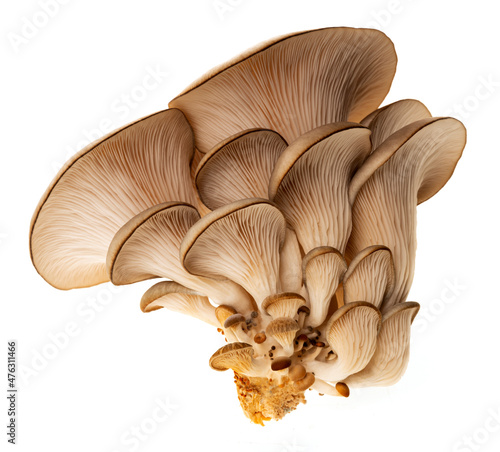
(352, 334)
(310, 183)
(239, 167)
(408, 168)
(239, 242)
(370, 276)
(292, 84)
(283, 329)
(389, 119)
(148, 245)
(236, 356)
(392, 354)
(285, 304)
(98, 190)
(323, 269)
(175, 297)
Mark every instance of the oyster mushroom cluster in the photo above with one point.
(277, 203)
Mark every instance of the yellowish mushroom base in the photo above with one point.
(263, 399)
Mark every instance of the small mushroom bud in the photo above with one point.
(343, 389)
(297, 372)
(259, 338)
(283, 362)
(305, 383)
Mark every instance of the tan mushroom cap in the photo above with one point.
(147, 247)
(285, 304)
(411, 166)
(304, 383)
(177, 298)
(352, 334)
(239, 167)
(391, 357)
(99, 189)
(370, 276)
(222, 312)
(311, 179)
(239, 242)
(292, 84)
(389, 119)
(236, 356)
(323, 269)
(283, 329)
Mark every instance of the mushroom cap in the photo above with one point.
(285, 304)
(154, 293)
(240, 242)
(234, 320)
(239, 167)
(305, 383)
(281, 363)
(148, 245)
(392, 354)
(222, 312)
(311, 179)
(408, 168)
(177, 298)
(292, 84)
(297, 372)
(389, 119)
(352, 334)
(323, 269)
(99, 189)
(283, 329)
(236, 356)
(370, 276)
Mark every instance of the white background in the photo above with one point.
(63, 81)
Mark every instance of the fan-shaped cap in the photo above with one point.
(236, 356)
(292, 84)
(311, 179)
(392, 354)
(370, 276)
(389, 119)
(323, 269)
(175, 297)
(408, 168)
(283, 329)
(147, 247)
(240, 242)
(239, 167)
(107, 183)
(352, 333)
(285, 304)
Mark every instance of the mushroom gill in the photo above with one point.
(274, 211)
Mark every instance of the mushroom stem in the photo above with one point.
(325, 388)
